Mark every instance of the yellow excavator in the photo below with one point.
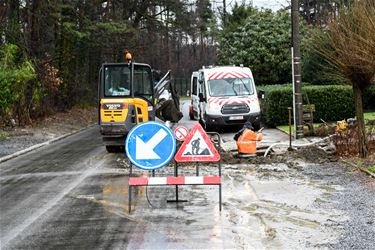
(128, 95)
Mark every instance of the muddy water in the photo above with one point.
(264, 206)
(283, 205)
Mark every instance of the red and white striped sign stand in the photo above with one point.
(177, 180)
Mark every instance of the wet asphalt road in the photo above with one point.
(41, 197)
(72, 194)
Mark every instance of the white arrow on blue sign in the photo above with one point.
(150, 145)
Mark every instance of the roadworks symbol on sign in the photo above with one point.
(197, 147)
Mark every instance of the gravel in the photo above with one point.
(15, 144)
(357, 200)
(15, 139)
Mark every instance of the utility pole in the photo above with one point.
(297, 70)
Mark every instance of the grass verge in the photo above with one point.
(3, 136)
(367, 116)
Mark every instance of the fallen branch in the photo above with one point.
(360, 168)
(296, 145)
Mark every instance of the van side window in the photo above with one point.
(194, 90)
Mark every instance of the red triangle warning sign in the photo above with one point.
(197, 147)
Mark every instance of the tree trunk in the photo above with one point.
(362, 140)
(12, 30)
(34, 30)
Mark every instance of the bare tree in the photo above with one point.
(349, 47)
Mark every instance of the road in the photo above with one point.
(74, 195)
(45, 196)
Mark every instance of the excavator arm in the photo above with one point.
(167, 107)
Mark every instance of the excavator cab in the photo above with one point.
(126, 98)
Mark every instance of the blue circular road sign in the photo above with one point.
(150, 145)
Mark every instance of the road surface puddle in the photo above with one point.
(264, 206)
(114, 195)
(282, 204)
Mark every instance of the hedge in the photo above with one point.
(332, 102)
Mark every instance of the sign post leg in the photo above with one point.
(130, 199)
(219, 144)
(176, 174)
(130, 190)
(219, 197)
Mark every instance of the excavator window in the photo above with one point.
(143, 83)
(117, 81)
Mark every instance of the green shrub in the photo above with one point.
(15, 74)
(332, 102)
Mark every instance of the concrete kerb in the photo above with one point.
(36, 146)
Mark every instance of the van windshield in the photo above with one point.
(230, 87)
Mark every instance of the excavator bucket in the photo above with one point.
(167, 106)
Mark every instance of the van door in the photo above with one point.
(203, 93)
(194, 94)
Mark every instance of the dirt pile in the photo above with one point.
(310, 154)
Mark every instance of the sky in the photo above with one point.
(270, 4)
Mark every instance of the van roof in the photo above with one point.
(227, 72)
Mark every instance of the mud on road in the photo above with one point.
(302, 199)
(309, 197)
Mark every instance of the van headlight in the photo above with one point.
(213, 107)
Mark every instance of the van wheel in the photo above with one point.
(201, 121)
(208, 127)
(191, 113)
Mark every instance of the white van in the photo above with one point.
(223, 96)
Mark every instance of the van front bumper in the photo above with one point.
(220, 120)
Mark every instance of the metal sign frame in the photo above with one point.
(176, 180)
